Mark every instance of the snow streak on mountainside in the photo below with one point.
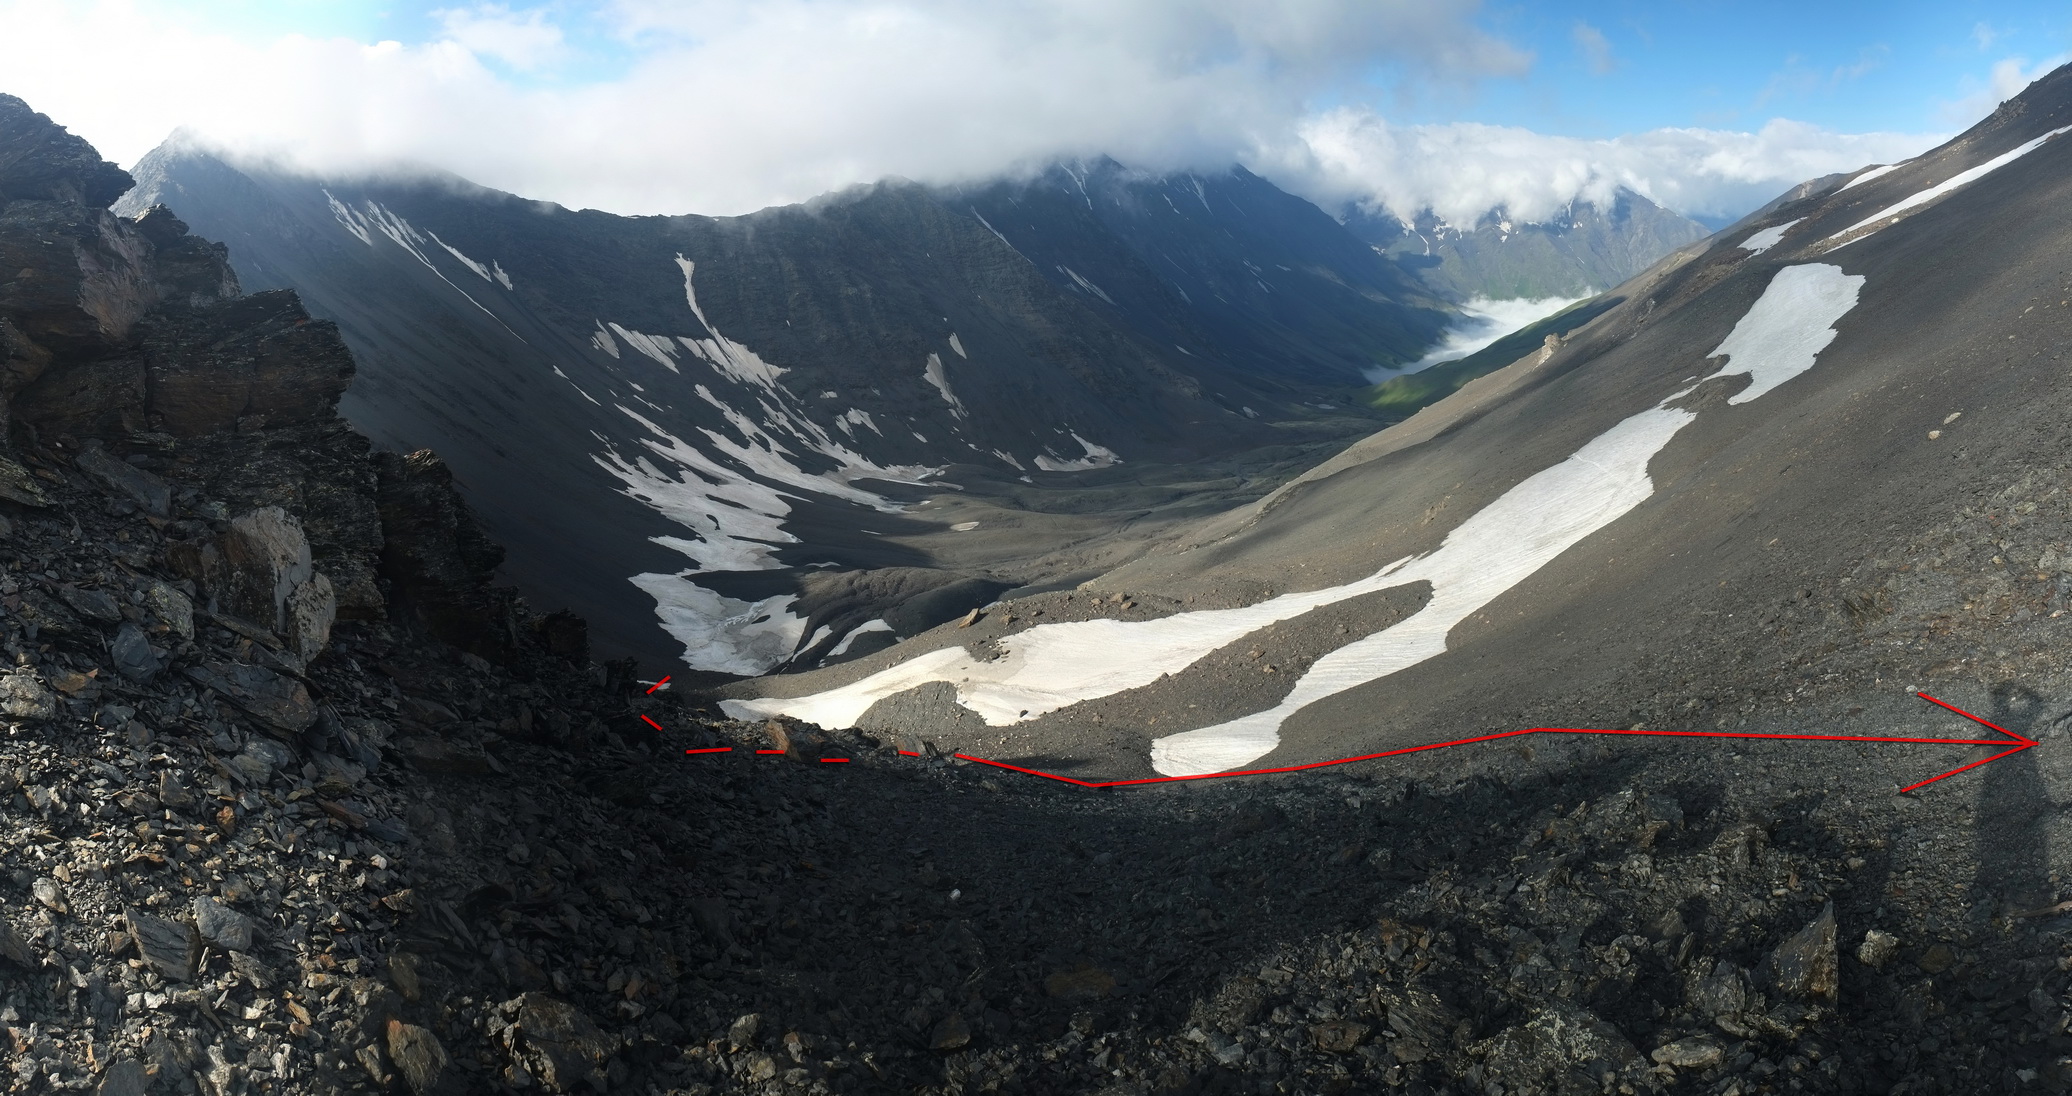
(766, 396)
(1051, 666)
(1711, 488)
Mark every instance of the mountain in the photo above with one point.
(1228, 265)
(1581, 252)
(1794, 468)
(786, 426)
(534, 875)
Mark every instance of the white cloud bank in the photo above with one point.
(1462, 170)
(723, 106)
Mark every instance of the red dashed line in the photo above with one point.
(658, 684)
(651, 723)
(2005, 749)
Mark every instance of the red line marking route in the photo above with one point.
(2020, 744)
(658, 684)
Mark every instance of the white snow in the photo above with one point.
(353, 222)
(464, 260)
(658, 347)
(989, 228)
(1868, 176)
(1500, 546)
(399, 231)
(1084, 284)
(733, 492)
(1097, 456)
(1790, 324)
(965, 526)
(1759, 242)
(722, 634)
(858, 632)
(1051, 666)
(1008, 458)
(730, 357)
(1484, 320)
(958, 347)
(498, 270)
(1962, 178)
(855, 417)
(933, 374)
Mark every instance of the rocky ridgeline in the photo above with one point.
(294, 800)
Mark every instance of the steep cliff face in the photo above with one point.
(132, 359)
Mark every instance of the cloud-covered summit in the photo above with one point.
(725, 106)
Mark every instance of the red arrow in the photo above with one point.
(2021, 744)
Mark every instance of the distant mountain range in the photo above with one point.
(1583, 250)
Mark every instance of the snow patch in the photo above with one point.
(464, 260)
(856, 633)
(1868, 176)
(1759, 242)
(1097, 456)
(722, 634)
(933, 374)
(602, 340)
(498, 270)
(658, 347)
(958, 347)
(1084, 284)
(964, 526)
(1052, 666)
(1962, 178)
(728, 356)
(1790, 324)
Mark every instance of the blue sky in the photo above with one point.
(1604, 68)
(721, 106)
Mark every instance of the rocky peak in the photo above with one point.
(41, 161)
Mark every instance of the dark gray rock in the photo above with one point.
(1804, 966)
(562, 1047)
(123, 478)
(421, 1059)
(171, 947)
(40, 160)
(222, 926)
(124, 1077)
(134, 658)
(95, 605)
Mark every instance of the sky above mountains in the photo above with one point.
(724, 106)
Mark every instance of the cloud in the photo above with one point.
(724, 106)
(526, 42)
(728, 105)
(1595, 48)
(1463, 169)
(1985, 36)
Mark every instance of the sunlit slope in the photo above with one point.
(1729, 488)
